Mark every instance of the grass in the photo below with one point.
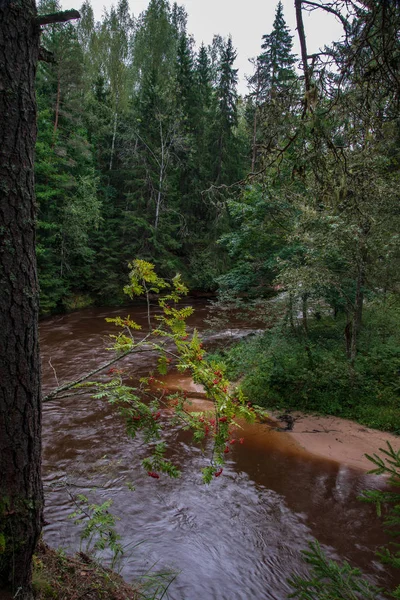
(57, 576)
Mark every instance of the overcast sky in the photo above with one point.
(246, 20)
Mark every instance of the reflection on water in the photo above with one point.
(239, 538)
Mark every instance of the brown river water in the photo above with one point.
(239, 538)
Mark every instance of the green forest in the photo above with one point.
(283, 203)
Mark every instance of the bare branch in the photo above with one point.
(328, 8)
(55, 373)
(303, 45)
(59, 17)
(71, 384)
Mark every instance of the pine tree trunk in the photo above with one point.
(21, 498)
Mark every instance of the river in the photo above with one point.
(239, 538)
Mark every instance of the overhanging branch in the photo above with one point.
(59, 17)
(330, 9)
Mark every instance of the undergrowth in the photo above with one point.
(285, 369)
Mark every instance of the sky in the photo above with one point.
(246, 20)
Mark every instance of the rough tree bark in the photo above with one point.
(21, 496)
(21, 492)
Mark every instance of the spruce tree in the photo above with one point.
(274, 91)
(277, 59)
(227, 118)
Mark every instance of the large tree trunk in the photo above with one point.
(21, 498)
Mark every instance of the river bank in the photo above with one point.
(59, 576)
(238, 537)
(341, 440)
(333, 438)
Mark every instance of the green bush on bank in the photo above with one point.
(286, 369)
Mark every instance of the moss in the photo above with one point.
(42, 587)
(61, 577)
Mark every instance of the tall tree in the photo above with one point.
(227, 118)
(273, 86)
(114, 45)
(21, 495)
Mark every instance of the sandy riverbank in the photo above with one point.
(340, 440)
(332, 438)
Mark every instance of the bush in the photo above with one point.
(285, 369)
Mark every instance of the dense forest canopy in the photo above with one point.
(146, 150)
(135, 124)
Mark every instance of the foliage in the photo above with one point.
(288, 369)
(98, 531)
(141, 407)
(387, 504)
(331, 581)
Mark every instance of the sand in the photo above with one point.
(340, 440)
(337, 439)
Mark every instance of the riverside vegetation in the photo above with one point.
(146, 149)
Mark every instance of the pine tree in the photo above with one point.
(203, 76)
(187, 97)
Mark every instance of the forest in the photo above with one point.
(279, 206)
(145, 149)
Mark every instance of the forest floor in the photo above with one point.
(58, 576)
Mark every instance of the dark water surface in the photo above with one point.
(239, 538)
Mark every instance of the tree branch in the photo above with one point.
(59, 17)
(303, 45)
(329, 9)
(71, 384)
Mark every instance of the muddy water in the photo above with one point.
(238, 539)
